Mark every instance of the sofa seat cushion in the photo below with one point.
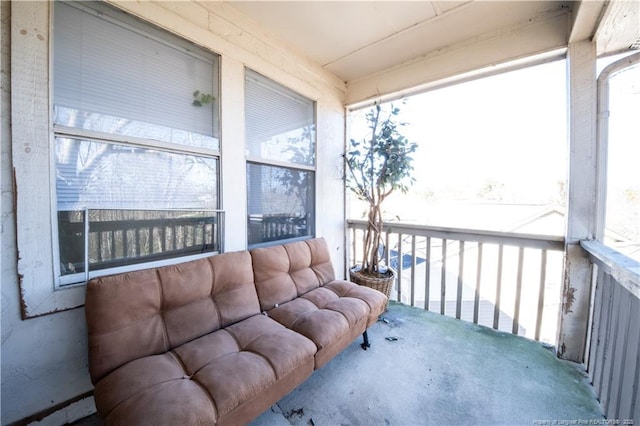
(206, 378)
(375, 300)
(322, 315)
(152, 390)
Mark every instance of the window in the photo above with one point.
(135, 146)
(622, 208)
(280, 141)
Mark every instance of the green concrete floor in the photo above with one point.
(435, 370)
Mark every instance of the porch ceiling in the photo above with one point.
(362, 41)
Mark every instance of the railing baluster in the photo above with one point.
(152, 233)
(217, 231)
(443, 277)
(125, 243)
(85, 230)
(476, 298)
(99, 254)
(197, 232)
(427, 277)
(413, 270)
(353, 255)
(460, 272)
(516, 314)
(496, 311)
(543, 279)
(387, 255)
(399, 262)
(137, 249)
(149, 240)
(112, 242)
(596, 327)
(612, 348)
(606, 319)
(626, 319)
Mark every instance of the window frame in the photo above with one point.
(260, 161)
(619, 65)
(33, 135)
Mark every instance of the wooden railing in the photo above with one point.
(275, 227)
(613, 356)
(508, 281)
(115, 238)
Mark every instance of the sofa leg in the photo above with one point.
(365, 341)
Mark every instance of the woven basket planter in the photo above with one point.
(382, 284)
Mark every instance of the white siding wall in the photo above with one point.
(44, 361)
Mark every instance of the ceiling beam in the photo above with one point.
(586, 17)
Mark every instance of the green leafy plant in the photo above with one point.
(201, 99)
(377, 166)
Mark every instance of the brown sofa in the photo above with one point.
(219, 340)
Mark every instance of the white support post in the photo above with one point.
(581, 203)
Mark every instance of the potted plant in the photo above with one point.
(377, 166)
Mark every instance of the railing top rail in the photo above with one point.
(623, 269)
(549, 242)
(186, 210)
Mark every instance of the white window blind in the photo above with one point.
(280, 123)
(111, 77)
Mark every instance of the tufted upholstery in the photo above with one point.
(151, 311)
(183, 343)
(296, 286)
(208, 377)
(188, 344)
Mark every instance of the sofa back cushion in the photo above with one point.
(151, 311)
(285, 272)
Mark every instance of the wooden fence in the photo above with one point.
(613, 360)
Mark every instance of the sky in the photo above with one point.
(507, 128)
(509, 131)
